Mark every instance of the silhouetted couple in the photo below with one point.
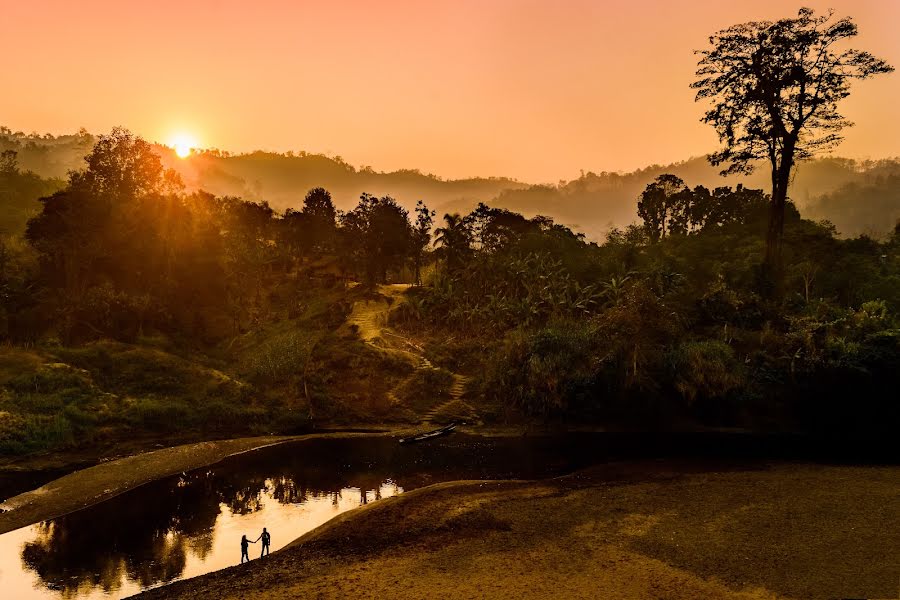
(245, 544)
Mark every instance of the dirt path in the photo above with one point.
(370, 317)
(98, 483)
(805, 531)
(456, 393)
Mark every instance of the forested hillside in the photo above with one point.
(135, 306)
(591, 203)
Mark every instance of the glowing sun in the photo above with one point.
(183, 144)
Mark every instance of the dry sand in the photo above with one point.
(620, 531)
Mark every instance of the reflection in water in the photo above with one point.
(191, 524)
(144, 542)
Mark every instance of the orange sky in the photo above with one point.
(533, 90)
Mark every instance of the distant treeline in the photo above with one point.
(591, 203)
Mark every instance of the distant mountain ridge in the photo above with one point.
(591, 203)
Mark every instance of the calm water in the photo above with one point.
(191, 524)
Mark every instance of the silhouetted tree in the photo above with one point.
(658, 206)
(122, 166)
(775, 88)
(669, 207)
(293, 233)
(376, 236)
(318, 204)
(249, 249)
(320, 219)
(421, 236)
(454, 240)
(495, 229)
(121, 244)
(85, 231)
(724, 206)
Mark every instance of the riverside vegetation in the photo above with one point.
(134, 308)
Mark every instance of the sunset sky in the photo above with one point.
(532, 90)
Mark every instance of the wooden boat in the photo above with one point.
(429, 435)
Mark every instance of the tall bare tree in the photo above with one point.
(775, 89)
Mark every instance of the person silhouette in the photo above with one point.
(266, 540)
(245, 544)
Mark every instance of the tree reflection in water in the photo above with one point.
(146, 542)
(146, 535)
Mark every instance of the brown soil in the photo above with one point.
(370, 317)
(782, 532)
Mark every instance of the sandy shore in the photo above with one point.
(626, 531)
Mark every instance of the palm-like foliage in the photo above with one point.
(502, 292)
(454, 240)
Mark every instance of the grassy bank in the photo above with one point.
(293, 373)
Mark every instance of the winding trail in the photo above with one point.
(456, 393)
(98, 483)
(371, 317)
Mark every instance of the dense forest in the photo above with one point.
(131, 304)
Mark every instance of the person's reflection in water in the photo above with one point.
(245, 544)
(266, 539)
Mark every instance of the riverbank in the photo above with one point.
(103, 481)
(627, 530)
(52, 484)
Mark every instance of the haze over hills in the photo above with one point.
(857, 196)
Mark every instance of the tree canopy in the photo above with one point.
(775, 89)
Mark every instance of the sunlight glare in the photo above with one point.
(183, 144)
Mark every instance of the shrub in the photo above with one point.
(283, 356)
(705, 370)
(32, 433)
(548, 372)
